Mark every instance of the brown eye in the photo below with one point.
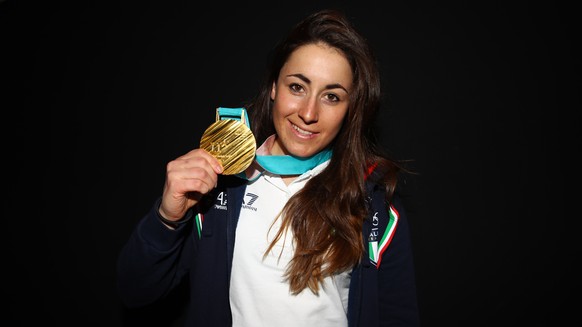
(295, 88)
(332, 97)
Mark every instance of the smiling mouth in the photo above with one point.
(301, 131)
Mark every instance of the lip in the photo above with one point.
(299, 133)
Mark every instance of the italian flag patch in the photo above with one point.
(376, 247)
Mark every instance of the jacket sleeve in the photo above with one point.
(396, 277)
(152, 262)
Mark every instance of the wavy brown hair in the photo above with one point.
(326, 216)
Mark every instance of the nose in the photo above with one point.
(309, 111)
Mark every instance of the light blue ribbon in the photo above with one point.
(291, 165)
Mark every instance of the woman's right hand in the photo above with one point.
(188, 178)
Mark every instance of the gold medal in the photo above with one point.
(231, 142)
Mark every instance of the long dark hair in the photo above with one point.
(326, 216)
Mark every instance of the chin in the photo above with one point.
(303, 153)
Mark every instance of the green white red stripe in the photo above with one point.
(199, 219)
(376, 249)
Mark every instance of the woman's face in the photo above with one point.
(311, 98)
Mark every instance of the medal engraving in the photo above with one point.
(232, 143)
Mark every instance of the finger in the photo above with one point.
(190, 175)
(201, 153)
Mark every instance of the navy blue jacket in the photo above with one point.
(155, 259)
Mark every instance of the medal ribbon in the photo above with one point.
(276, 164)
(291, 165)
(239, 114)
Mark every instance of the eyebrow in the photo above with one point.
(327, 87)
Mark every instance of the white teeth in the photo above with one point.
(304, 132)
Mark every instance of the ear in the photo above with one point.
(273, 91)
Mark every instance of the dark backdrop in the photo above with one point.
(481, 96)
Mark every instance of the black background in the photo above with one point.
(482, 96)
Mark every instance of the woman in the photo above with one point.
(323, 244)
